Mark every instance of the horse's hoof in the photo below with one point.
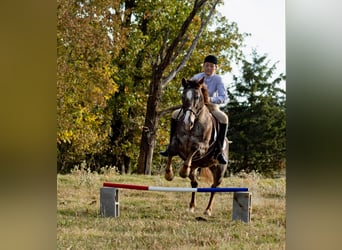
(169, 176)
(184, 172)
(191, 209)
(207, 212)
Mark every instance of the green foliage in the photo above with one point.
(85, 77)
(257, 119)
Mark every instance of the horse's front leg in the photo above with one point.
(200, 147)
(203, 148)
(185, 170)
(168, 171)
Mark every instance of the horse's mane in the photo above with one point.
(205, 93)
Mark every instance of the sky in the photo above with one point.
(265, 21)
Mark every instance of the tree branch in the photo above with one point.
(163, 47)
(181, 65)
(180, 47)
(167, 60)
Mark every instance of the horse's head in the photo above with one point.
(194, 97)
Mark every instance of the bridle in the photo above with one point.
(185, 109)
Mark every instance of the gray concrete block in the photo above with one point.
(109, 202)
(242, 205)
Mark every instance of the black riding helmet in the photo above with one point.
(210, 59)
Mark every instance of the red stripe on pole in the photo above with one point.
(127, 186)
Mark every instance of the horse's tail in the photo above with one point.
(206, 175)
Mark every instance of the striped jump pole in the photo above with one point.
(174, 189)
(109, 197)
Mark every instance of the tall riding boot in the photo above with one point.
(172, 132)
(221, 136)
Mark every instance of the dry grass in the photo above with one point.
(160, 220)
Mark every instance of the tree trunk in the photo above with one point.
(148, 136)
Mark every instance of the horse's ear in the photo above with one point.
(201, 81)
(184, 82)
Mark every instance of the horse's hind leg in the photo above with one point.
(218, 173)
(194, 184)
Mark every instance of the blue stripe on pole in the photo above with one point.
(224, 189)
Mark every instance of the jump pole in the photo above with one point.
(174, 189)
(109, 197)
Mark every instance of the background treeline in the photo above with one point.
(107, 56)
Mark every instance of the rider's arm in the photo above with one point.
(220, 95)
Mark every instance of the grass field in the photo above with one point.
(160, 220)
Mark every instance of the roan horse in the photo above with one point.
(195, 140)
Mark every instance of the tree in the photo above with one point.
(174, 51)
(169, 51)
(257, 118)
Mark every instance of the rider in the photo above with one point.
(217, 94)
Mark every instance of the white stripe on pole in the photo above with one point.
(172, 189)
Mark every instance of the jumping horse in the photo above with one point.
(195, 140)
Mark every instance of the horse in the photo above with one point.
(195, 140)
